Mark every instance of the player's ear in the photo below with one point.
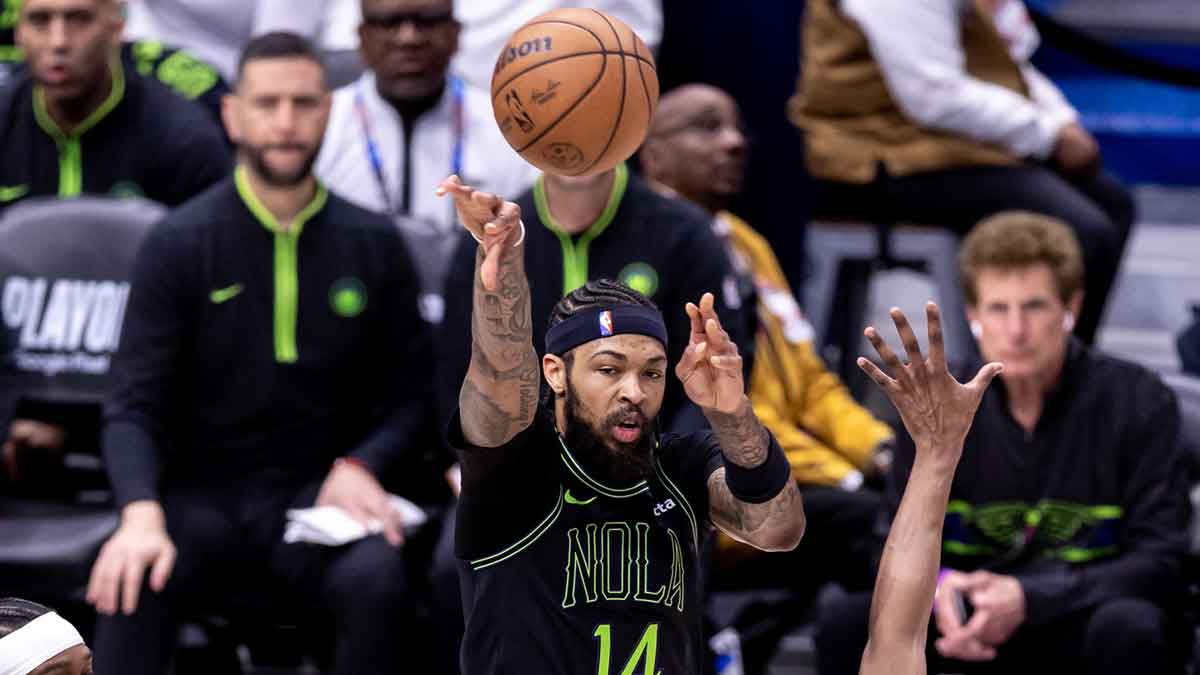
(555, 370)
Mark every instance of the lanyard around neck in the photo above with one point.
(457, 127)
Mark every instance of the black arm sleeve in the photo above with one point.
(1153, 538)
(406, 361)
(144, 369)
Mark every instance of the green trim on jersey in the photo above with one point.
(683, 501)
(616, 493)
(575, 255)
(526, 541)
(287, 272)
(70, 150)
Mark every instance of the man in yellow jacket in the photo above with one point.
(697, 150)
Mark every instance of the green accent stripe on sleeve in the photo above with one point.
(287, 267)
(70, 150)
(575, 255)
(526, 541)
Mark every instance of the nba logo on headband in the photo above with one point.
(606, 324)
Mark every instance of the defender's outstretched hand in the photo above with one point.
(495, 223)
(936, 409)
(711, 368)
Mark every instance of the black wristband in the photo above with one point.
(762, 483)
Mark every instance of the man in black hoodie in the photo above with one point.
(1066, 529)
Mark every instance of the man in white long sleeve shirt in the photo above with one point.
(487, 25)
(928, 111)
(406, 124)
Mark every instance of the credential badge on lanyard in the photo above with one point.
(457, 126)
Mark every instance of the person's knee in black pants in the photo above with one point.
(365, 587)
(143, 643)
(842, 629)
(1127, 635)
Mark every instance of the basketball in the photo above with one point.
(574, 91)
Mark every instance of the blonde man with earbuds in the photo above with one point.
(1063, 541)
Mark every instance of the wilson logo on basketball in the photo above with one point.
(514, 52)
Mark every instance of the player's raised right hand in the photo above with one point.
(493, 222)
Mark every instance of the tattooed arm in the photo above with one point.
(711, 372)
(498, 399)
(774, 525)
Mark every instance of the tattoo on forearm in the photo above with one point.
(743, 439)
(500, 392)
(752, 522)
(481, 417)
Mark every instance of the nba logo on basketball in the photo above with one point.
(606, 327)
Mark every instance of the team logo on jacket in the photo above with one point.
(640, 277)
(606, 324)
(348, 297)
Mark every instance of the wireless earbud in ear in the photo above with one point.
(1069, 321)
(976, 329)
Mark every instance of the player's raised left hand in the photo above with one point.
(711, 368)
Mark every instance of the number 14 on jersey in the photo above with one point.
(645, 652)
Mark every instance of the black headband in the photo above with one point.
(602, 322)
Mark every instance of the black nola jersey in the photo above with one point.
(564, 574)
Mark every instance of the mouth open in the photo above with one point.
(628, 428)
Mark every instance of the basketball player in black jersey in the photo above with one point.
(579, 526)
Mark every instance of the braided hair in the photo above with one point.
(595, 293)
(15, 613)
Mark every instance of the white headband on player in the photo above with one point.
(35, 643)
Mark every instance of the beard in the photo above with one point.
(257, 155)
(614, 461)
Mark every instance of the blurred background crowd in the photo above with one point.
(189, 353)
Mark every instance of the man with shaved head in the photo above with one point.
(697, 149)
(77, 122)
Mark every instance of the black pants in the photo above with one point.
(1117, 638)
(1098, 208)
(230, 545)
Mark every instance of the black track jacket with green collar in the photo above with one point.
(251, 350)
(144, 140)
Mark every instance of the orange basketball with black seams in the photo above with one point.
(574, 91)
